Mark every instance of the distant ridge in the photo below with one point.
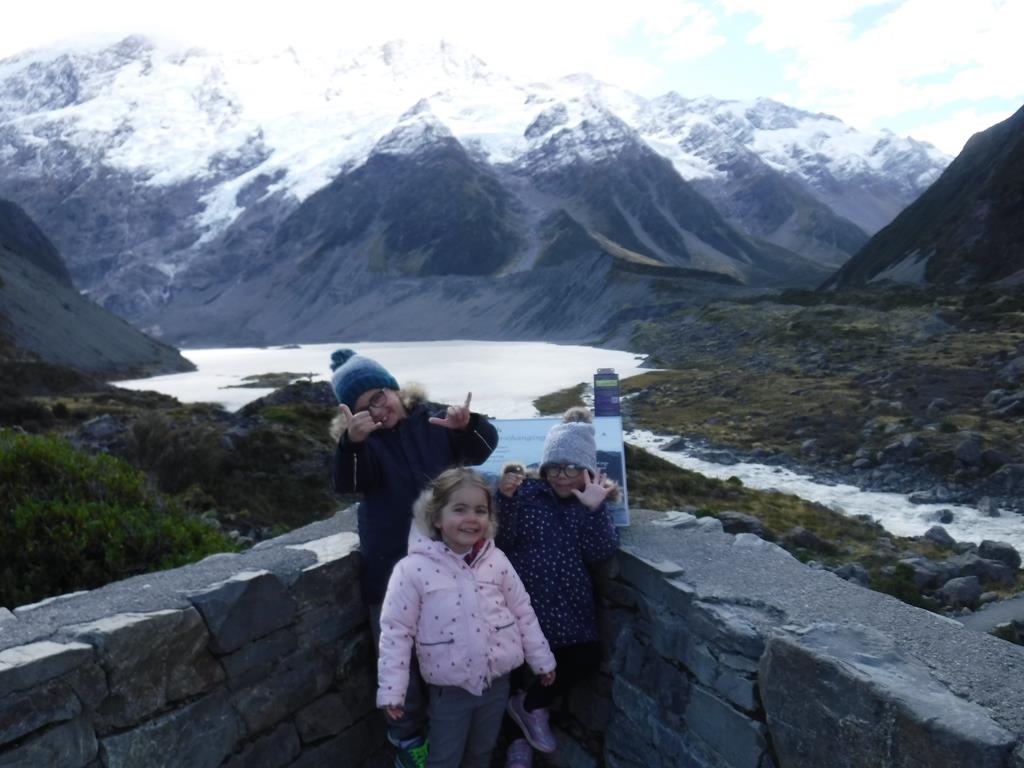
(966, 229)
(43, 317)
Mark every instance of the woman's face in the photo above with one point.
(383, 405)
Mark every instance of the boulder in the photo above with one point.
(968, 449)
(961, 592)
(799, 536)
(737, 522)
(854, 572)
(1001, 551)
(971, 564)
(940, 537)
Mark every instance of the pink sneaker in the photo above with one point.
(519, 755)
(534, 724)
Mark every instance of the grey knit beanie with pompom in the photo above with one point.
(572, 441)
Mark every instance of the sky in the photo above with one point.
(936, 70)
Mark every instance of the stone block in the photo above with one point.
(327, 716)
(739, 740)
(150, 660)
(26, 711)
(351, 747)
(274, 750)
(646, 575)
(326, 623)
(847, 696)
(301, 678)
(332, 581)
(260, 655)
(729, 627)
(23, 666)
(199, 735)
(68, 745)
(238, 610)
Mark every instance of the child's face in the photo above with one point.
(558, 478)
(463, 520)
(384, 405)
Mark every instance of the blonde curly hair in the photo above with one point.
(426, 512)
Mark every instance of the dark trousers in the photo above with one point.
(574, 663)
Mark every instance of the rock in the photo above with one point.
(937, 406)
(799, 536)
(987, 507)
(929, 574)
(1011, 372)
(961, 592)
(971, 564)
(1001, 551)
(808, 447)
(737, 522)
(1008, 479)
(854, 572)
(944, 516)
(940, 537)
(994, 458)
(968, 449)
(862, 463)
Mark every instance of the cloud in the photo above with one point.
(951, 134)
(869, 61)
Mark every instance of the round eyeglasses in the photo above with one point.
(377, 400)
(569, 470)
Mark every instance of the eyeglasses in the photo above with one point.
(569, 470)
(377, 400)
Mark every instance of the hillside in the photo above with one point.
(44, 319)
(967, 229)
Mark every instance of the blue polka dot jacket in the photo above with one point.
(470, 624)
(551, 542)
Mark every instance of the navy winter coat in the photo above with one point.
(390, 468)
(550, 542)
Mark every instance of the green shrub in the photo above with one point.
(72, 521)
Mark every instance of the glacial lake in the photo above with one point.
(506, 377)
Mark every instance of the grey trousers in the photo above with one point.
(413, 721)
(463, 727)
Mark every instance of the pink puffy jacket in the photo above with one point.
(470, 624)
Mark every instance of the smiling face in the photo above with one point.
(384, 405)
(464, 519)
(558, 477)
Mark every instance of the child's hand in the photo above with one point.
(509, 484)
(393, 712)
(457, 418)
(594, 490)
(547, 679)
(358, 426)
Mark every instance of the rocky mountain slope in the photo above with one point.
(43, 317)
(966, 230)
(180, 182)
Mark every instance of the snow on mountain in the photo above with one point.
(146, 163)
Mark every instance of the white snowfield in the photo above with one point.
(299, 118)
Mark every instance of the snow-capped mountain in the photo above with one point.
(175, 179)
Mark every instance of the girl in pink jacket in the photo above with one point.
(459, 601)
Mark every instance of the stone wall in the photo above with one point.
(722, 651)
